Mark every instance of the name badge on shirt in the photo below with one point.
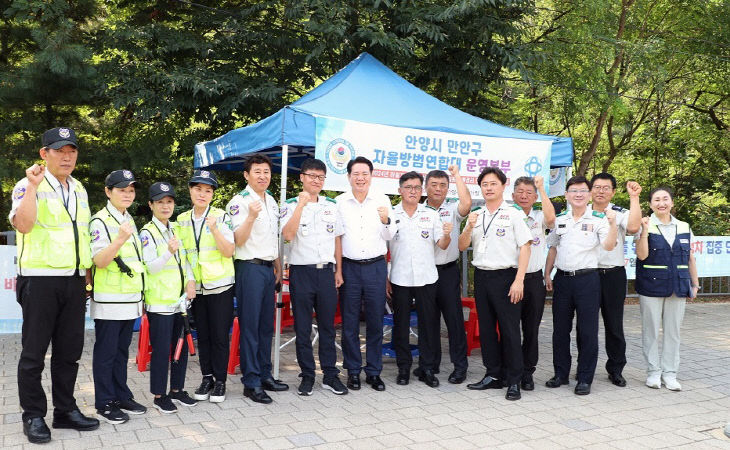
(586, 227)
(684, 241)
(482, 245)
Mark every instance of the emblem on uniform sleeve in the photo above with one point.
(425, 234)
(19, 193)
(536, 241)
(127, 174)
(95, 235)
(330, 228)
(145, 240)
(282, 211)
(233, 210)
(64, 133)
(500, 232)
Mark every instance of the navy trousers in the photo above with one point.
(533, 306)
(579, 295)
(429, 325)
(164, 332)
(613, 295)
(256, 303)
(213, 320)
(313, 290)
(111, 355)
(448, 300)
(364, 286)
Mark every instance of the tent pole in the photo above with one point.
(279, 303)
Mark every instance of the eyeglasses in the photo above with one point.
(315, 177)
(412, 188)
(602, 188)
(578, 191)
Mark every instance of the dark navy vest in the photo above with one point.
(666, 270)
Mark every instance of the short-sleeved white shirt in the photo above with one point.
(263, 242)
(449, 212)
(536, 223)
(314, 242)
(365, 236)
(413, 248)
(497, 237)
(615, 257)
(578, 241)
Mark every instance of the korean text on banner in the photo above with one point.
(712, 254)
(395, 151)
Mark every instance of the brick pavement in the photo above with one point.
(417, 416)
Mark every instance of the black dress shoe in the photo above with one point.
(528, 383)
(36, 430)
(353, 382)
(457, 377)
(257, 394)
(555, 382)
(274, 385)
(403, 377)
(513, 392)
(418, 371)
(486, 383)
(617, 379)
(429, 378)
(375, 382)
(75, 421)
(582, 389)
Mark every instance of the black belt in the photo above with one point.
(605, 270)
(447, 265)
(260, 262)
(365, 261)
(314, 266)
(536, 274)
(575, 273)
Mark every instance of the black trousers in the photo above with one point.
(613, 294)
(213, 320)
(533, 306)
(448, 300)
(111, 356)
(53, 311)
(501, 356)
(576, 295)
(164, 332)
(313, 290)
(429, 325)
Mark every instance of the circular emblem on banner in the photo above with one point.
(554, 175)
(164, 188)
(127, 174)
(64, 133)
(339, 152)
(533, 166)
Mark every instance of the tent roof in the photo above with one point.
(366, 91)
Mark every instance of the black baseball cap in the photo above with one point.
(120, 179)
(205, 177)
(161, 190)
(56, 138)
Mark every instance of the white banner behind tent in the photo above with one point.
(395, 151)
(11, 316)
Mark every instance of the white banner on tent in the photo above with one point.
(11, 315)
(395, 151)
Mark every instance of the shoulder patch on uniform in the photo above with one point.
(292, 200)
(618, 208)
(562, 213)
(244, 193)
(537, 207)
(476, 208)
(430, 207)
(330, 200)
(516, 206)
(269, 192)
(452, 200)
(599, 214)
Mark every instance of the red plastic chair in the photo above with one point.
(472, 325)
(144, 349)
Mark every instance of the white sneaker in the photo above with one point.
(654, 380)
(671, 383)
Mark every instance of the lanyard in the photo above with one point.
(64, 199)
(172, 233)
(202, 224)
(134, 241)
(489, 224)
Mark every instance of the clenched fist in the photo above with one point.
(611, 216)
(633, 188)
(448, 227)
(212, 223)
(454, 171)
(35, 174)
(173, 244)
(539, 182)
(383, 213)
(125, 231)
(472, 220)
(255, 208)
(304, 198)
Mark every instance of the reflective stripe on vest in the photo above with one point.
(166, 286)
(110, 283)
(57, 243)
(211, 269)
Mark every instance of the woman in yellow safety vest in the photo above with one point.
(119, 282)
(207, 237)
(167, 275)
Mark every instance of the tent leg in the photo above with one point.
(279, 303)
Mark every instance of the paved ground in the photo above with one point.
(417, 416)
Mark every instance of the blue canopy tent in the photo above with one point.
(364, 91)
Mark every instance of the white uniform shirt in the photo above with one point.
(155, 263)
(536, 223)
(668, 230)
(496, 238)
(364, 235)
(578, 242)
(413, 248)
(263, 242)
(449, 212)
(100, 241)
(615, 257)
(67, 195)
(314, 242)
